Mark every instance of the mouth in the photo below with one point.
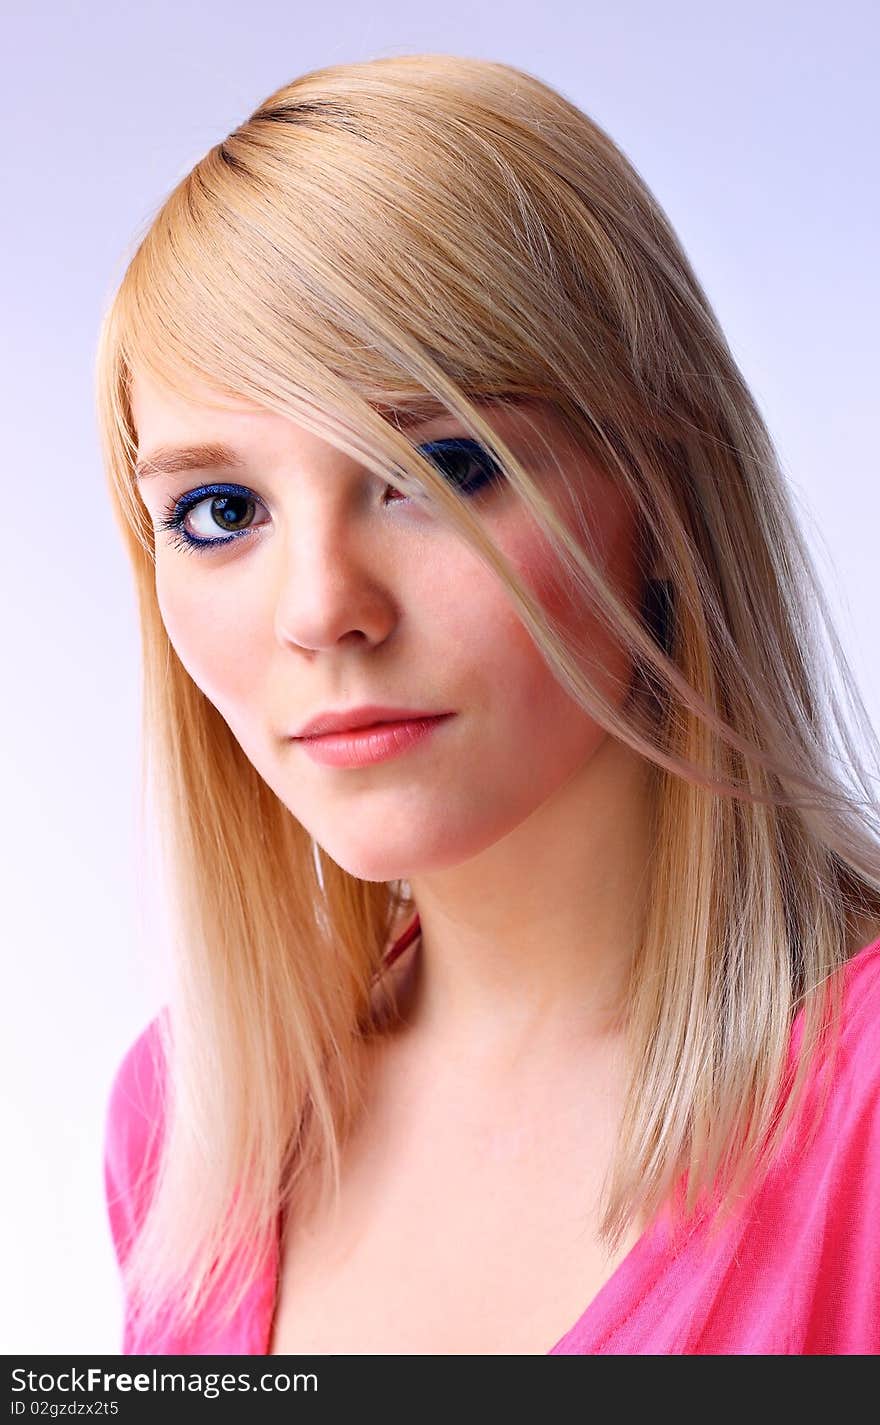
(372, 742)
(367, 715)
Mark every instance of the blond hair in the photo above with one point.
(431, 228)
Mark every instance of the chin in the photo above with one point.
(370, 867)
(404, 862)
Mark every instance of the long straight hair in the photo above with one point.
(388, 235)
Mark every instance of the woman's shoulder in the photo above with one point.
(861, 1014)
(848, 1102)
(138, 1086)
(862, 974)
(857, 1048)
(860, 1009)
(134, 1123)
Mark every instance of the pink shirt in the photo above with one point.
(797, 1273)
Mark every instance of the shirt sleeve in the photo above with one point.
(134, 1124)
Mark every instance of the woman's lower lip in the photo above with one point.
(360, 747)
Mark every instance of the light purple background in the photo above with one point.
(755, 125)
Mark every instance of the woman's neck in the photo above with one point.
(532, 940)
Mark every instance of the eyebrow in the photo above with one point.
(175, 459)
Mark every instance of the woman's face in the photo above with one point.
(342, 591)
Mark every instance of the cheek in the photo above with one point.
(599, 655)
(215, 638)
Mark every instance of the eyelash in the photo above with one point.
(176, 511)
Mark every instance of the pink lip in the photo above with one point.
(345, 719)
(362, 746)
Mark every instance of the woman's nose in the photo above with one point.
(332, 584)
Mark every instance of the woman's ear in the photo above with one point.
(658, 610)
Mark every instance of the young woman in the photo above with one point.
(539, 1013)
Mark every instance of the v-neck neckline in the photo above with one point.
(598, 1318)
(594, 1319)
(627, 1268)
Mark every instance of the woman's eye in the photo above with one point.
(465, 463)
(215, 515)
(197, 520)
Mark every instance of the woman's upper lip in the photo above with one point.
(344, 719)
